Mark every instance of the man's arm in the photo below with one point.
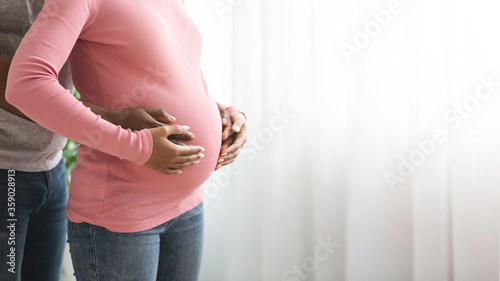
(134, 118)
(129, 118)
(4, 70)
(138, 118)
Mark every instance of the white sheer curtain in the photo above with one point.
(335, 117)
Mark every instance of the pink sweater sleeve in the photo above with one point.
(33, 87)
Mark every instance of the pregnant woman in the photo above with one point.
(135, 214)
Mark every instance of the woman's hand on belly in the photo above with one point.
(169, 158)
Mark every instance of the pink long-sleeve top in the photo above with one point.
(123, 54)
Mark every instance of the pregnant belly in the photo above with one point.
(203, 118)
(111, 189)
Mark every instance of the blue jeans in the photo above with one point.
(169, 252)
(33, 231)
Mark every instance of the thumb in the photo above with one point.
(237, 125)
(159, 115)
(239, 120)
